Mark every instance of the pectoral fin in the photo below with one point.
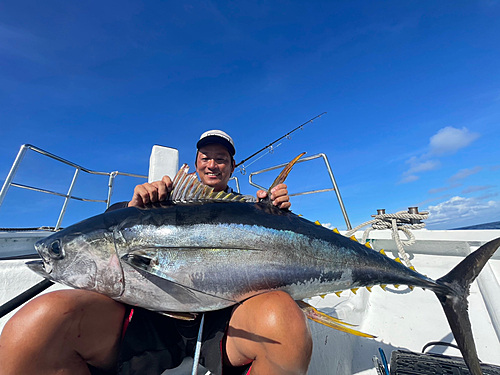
(179, 315)
(183, 294)
(329, 321)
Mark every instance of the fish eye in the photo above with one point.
(55, 250)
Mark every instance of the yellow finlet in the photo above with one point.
(354, 290)
(300, 215)
(369, 288)
(383, 286)
(336, 230)
(396, 286)
(317, 222)
(411, 287)
(322, 295)
(413, 268)
(398, 260)
(338, 293)
(353, 238)
(368, 245)
(382, 252)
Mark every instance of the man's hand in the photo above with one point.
(146, 193)
(279, 196)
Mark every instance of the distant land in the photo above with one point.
(493, 225)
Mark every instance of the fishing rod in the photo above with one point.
(270, 145)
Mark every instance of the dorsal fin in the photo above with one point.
(187, 188)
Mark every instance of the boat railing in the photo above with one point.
(9, 181)
(330, 173)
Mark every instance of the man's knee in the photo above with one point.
(38, 314)
(56, 307)
(271, 326)
(34, 330)
(84, 322)
(282, 318)
(285, 321)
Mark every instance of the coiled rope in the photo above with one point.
(400, 221)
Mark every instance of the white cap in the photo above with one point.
(217, 136)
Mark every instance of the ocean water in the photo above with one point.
(493, 225)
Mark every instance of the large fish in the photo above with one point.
(201, 251)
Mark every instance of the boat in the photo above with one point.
(403, 321)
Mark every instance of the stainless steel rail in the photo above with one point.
(330, 173)
(237, 182)
(69, 195)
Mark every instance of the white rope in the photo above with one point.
(400, 221)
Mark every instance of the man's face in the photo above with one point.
(214, 166)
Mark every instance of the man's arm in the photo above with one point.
(156, 191)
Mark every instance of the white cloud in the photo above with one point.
(472, 189)
(417, 166)
(444, 188)
(449, 140)
(421, 166)
(458, 211)
(409, 178)
(460, 175)
(423, 203)
(488, 196)
(464, 173)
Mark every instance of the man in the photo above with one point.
(81, 332)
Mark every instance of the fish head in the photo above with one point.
(82, 256)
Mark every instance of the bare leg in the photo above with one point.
(60, 332)
(272, 331)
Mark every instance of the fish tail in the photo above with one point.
(453, 298)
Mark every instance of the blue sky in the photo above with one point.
(411, 90)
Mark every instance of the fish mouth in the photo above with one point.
(38, 267)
